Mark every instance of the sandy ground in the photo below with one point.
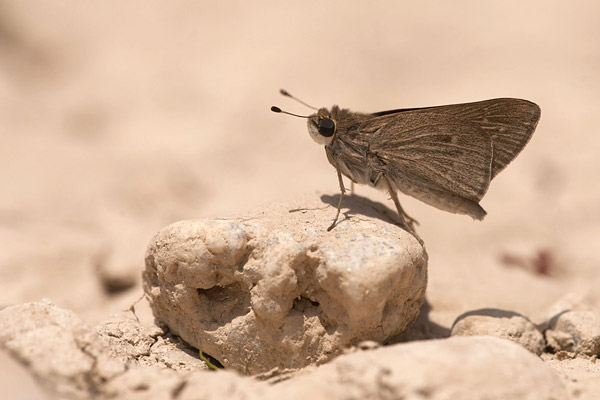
(119, 118)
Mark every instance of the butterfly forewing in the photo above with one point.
(462, 168)
(510, 123)
(457, 148)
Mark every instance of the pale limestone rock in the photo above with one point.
(275, 289)
(580, 374)
(504, 324)
(478, 367)
(17, 381)
(119, 359)
(575, 331)
(57, 347)
(62, 352)
(142, 383)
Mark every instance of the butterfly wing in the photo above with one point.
(453, 158)
(456, 149)
(458, 131)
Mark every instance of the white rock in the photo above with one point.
(478, 367)
(75, 362)
(575, 331)
(62, 352)
(272, 290)
(502, 324)
(580, 374)
(118, 359)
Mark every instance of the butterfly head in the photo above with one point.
(322, 126)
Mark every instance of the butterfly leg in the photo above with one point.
(407, 221)
(342, 191)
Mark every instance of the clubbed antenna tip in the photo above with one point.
(285, 93)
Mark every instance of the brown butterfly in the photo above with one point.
(445, 156)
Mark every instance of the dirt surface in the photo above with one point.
(117, 119)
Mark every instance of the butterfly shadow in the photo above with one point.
(354, 205)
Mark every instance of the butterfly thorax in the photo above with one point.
(349, 150)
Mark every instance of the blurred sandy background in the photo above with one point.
(117, 118)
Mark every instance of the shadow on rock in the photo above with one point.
(487, 312)
(423, 329)
(359, 205)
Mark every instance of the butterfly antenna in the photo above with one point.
(279, 110)
(286, 93)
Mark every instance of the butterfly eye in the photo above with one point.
(326, 127)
